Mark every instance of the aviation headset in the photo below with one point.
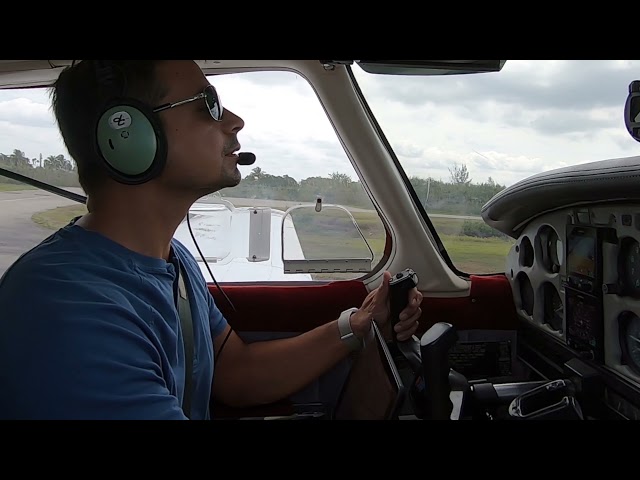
(129, 138)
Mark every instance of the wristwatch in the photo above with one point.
(346, 333)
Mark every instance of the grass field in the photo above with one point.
(58, 217)
(334, 236)
(477, 255)
(13, 187)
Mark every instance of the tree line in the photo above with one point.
(55, 169)
(459, 195)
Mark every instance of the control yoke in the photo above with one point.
(434, 348)
(445, 394)
(440, 393)
(399, 287)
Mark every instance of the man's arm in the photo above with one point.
(263, 372)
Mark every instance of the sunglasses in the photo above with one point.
(211, 99)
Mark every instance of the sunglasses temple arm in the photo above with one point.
(177, 104)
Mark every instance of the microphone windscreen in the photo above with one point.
(246, 158)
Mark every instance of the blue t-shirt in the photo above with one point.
(90, 330)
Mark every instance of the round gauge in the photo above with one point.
(553, 307)
(629, 267)
(526, 253)
(629, 325)
(551, 249)
(556, 250)
(526, 293)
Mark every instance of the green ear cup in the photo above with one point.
(127, 140)
(131, 142)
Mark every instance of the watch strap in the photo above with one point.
(346, 332)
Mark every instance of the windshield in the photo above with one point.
(461, 139)
(300, 160)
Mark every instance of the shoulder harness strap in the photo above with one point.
(186, 324)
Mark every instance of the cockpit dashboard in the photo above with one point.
(574, 269)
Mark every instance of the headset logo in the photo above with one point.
(119, 120)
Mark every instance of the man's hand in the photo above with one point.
(376, 307)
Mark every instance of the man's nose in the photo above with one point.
(232, 122)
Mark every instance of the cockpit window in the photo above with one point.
(461, 139)
(299, 214)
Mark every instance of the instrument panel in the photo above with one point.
(575, 274)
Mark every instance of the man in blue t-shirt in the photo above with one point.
(90, 325)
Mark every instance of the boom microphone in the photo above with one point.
(246, 158)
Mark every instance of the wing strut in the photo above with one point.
(44, 186)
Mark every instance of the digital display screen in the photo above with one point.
(581, 253)
(478, 360)
(585, 330)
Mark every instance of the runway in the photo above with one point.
(18, 233)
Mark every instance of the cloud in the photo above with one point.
(531, 117)
(527, 84)
(409, 150)
(298, 160)
(625, 143)
(26, 112)
(32, 140)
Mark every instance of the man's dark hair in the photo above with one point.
(77, 97)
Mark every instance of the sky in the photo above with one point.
(532, 116)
